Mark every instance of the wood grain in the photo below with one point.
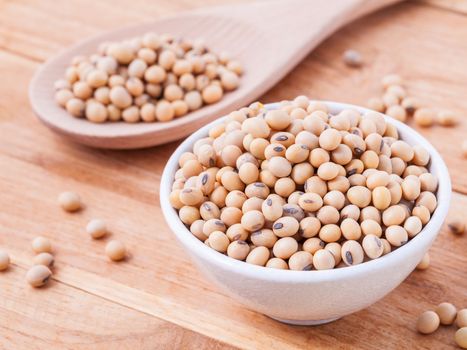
(156, 298)
(63, 317)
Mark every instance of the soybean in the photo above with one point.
(310, 202)
(252, 220)
(45, 259)
(285, 247)
(456, 226)
(352, 253)
(312, 245)
(219, 241)
(447, 313)
(277, 263)
(265, 238)
(69, 201)
(301, 261)
(396, 235)
(38, 275)
(96, 228)
(323, 259)
(428, 322)
(285, 227)
(115, 250)
(41, 245)
(258, 256)
(372, 246)
(335, 249)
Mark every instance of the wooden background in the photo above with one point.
(157, 299)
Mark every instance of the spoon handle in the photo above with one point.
(298, 23)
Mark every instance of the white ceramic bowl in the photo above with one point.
(310, 297)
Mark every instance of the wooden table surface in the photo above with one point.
(157, 299)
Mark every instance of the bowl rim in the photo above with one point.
(197, 247)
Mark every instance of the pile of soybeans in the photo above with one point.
(149, 78)
(299, 188)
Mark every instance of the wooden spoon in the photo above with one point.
(269, 38)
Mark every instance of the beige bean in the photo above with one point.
(428, 182)
(350, 211)
(309, 227)
(377, 179)
(70, 201)
(310, 202)
(97, 228)
(352, 253)
(428, 322)
(330, 139)
(413, 225)
(278, 119)
(350, 229)
(115, 250)
(219, 241)
(237, 232)
(372, 246)
(285, 226)
(428, 200)
(424, 117)
(253, 220)
(258, 256)
(312, 245)
(323, 259)
(301, 261)
(330, 233)
(359, 195)
(422, 213)
(396, 235)
(263, 238)
(277, 263)
(316, 185)
(252, 204)
(386, 246)
(447, 313)
(328, 171)
(335, 249)
(411, 187)
(421, 156)
(456, 226)
(402, 150)
(41, 245)
(38, 275)
(371, 227)
(279, 166)
(381, 198)
(319, 156)
(285, 247)
(394, 215)
(45, 259)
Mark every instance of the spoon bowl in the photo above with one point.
(267, 42)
